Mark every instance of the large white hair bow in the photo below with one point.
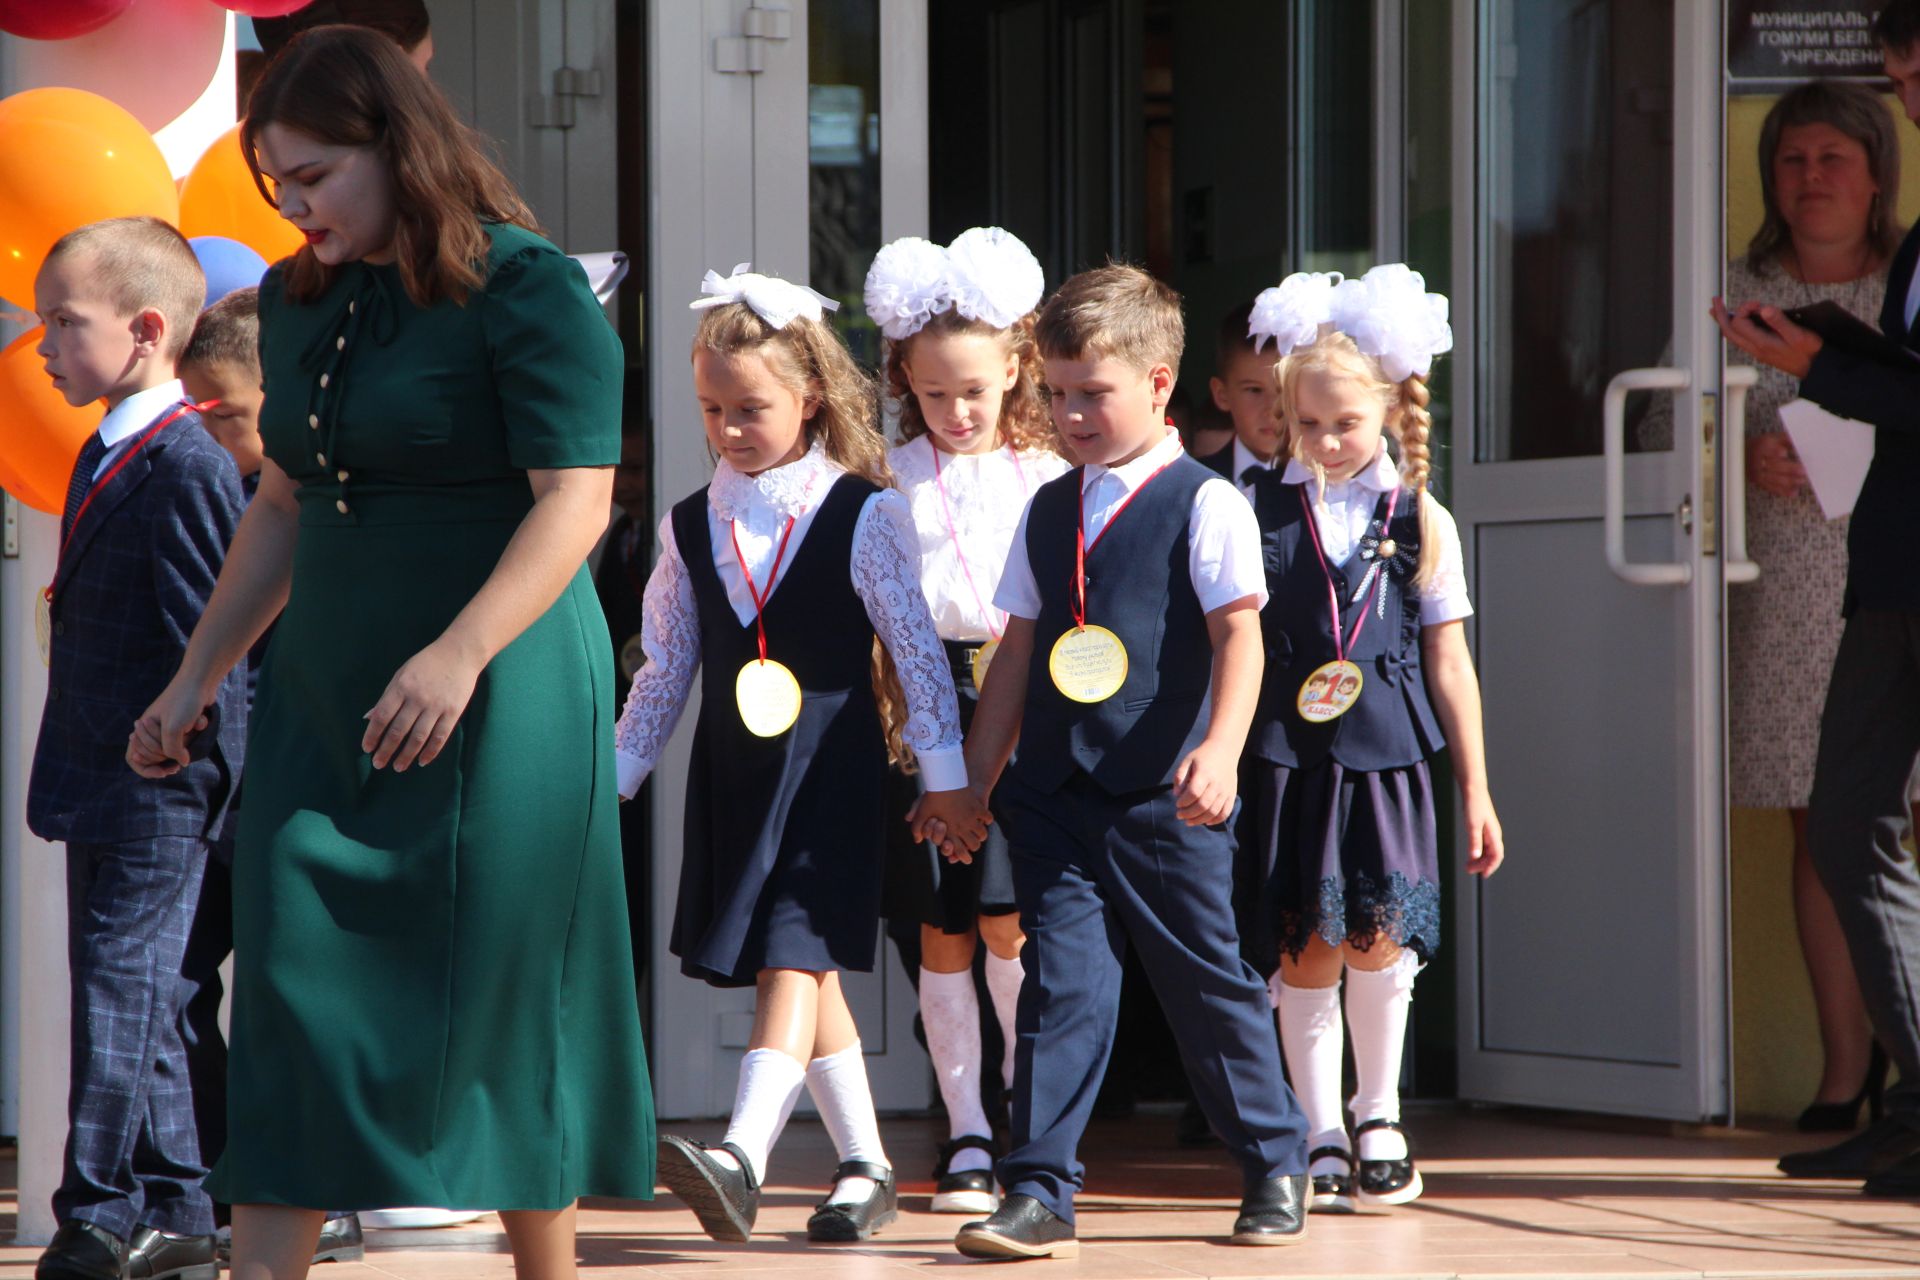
(1390, 316)
(1292, 312)
(986, 274)
(774, 300)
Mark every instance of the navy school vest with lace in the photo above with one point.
(1139, 588)
(1393, 725)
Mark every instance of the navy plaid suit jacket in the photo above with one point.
(138, 570)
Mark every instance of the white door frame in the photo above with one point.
(1698, 1085)
(729, 184)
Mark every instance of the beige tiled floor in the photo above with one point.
(1509, 1194)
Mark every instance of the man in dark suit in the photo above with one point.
(1870, 730)
(152, 504)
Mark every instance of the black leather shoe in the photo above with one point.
(1332, 1192)
(845, 1223)
(968, 1190)
(81, 1251)
(1021, 1227)
(155, 1255)
(340, 1240)
(1874, 1149)
(1274, 1212)
(1386, 1182)
(725, 1200)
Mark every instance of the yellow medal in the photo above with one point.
(982, 659)
(769, 697)
(1330, 692)
(43, 626)
(1088, 664)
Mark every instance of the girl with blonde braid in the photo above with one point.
(1368, 594)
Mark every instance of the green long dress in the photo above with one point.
(433, 996)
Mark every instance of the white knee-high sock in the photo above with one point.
(1003, 985)
(1313, 1037)
(838, 1083)
(950, 1011)
(769, 1086)
(1378, 1002)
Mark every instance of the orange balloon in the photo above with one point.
(220, 199)
(67, 158)
(43, 433)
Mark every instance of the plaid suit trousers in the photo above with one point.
(133, 1155)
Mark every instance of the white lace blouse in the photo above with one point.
(985, 495)
(1347, 511)
(885, 574)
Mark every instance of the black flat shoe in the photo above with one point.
(725, 1200)
(1874, 1149)
(1274, 1212)
(966, 1191)
(340, 1240)
(845, 1223)
(1384, 1183)
(1844, 1117)
(1021, 1227)
(81, 1251)
(155, 1255)
(1332, 1192)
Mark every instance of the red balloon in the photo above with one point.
(39, 20)
(264, 8)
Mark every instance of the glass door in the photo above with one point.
(1587, 394)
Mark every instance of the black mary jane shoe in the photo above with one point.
(846, 1223)
(965, 1190)
(82, 1251)
(340, 1240)
(1844, 1117)
(1021, 1227)
(1332, 1192)
(1384, 1183)
(1273, 1212)
(725, 1200)
(156, 1255)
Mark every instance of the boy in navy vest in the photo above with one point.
(1126, 575)
(152, 504)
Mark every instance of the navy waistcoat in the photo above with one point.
(1393, 725)
(1138, 587)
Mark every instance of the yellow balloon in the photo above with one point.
(67, 158)
(220, 199)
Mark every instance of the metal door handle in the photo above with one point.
(1613, 423)
(1733, 437)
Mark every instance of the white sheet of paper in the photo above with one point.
(1835, 451)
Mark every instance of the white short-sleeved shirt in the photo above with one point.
(1346, 509)
(1223, 539)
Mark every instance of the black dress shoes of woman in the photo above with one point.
(1844, 1117)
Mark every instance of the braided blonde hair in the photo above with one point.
(809, 359)
(1408, 422)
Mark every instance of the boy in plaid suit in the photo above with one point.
(151, 507)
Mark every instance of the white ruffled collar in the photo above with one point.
(1379, 476)
(784, 491)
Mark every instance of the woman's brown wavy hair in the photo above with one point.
(1024, 420)
(351, 87)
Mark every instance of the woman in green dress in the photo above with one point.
(433, 998)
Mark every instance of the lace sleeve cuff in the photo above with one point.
(886, 575)
(670, 635)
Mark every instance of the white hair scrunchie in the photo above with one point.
(778, 302)
(1292, 312)
(1390, 316)
(986, 274)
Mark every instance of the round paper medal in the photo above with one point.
(1088, 664)
(1330, 692)
(43, 628)
(982, 659)
(769, 697)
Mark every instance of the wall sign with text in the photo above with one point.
(1773, 45)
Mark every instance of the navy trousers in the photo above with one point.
(132, 1156)
(1093, 873)
(201, 991)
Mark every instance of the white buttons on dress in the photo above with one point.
(350, 307)
(340, 344)
(313, 420)
(341, 506)
(324, 379)
(341, 476)
(320, 458)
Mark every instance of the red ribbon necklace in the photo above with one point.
(96, 486)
